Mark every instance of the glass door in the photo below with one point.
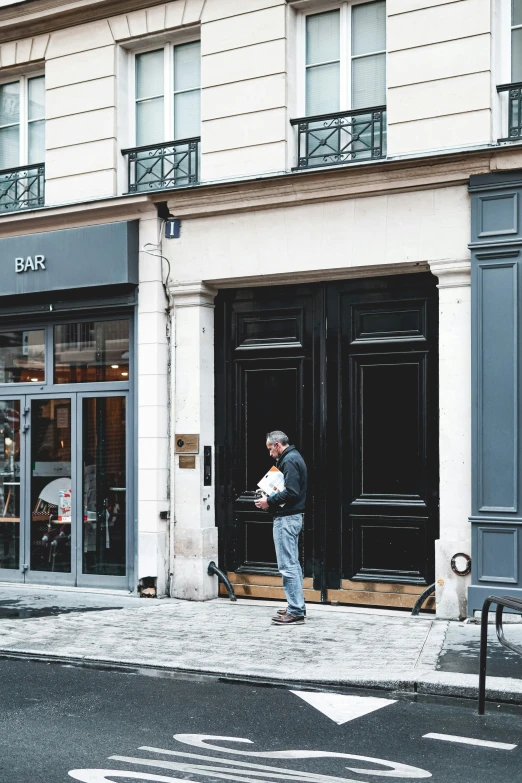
(11, 488)
(64, 479)
(50, 489)
(103, 551)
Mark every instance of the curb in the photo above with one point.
(433, 683)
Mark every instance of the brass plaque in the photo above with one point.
(187, 461)
(187, 444)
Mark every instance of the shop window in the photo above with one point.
(22, 122)
(345, 58)
(22, 356)
(167, 96)
(90, 352)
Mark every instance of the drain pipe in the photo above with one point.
(213, 570)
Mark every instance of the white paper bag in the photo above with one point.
(273, 481)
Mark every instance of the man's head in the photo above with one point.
(276, 443)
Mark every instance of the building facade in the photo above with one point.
(221, 217)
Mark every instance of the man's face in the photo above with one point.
(275, 449)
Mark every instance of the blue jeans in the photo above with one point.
(286, 540)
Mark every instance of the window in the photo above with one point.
(22, 122)
(345, 58)
(167, 94)
(91, 352)
(516, 40)
(22, 356)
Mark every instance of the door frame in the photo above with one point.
(49, 389)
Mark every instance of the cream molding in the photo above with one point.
(89, 213)
(374, 179)
(193, 293)
(156, 20)
(452, 273)
(16, 53)
(149, 22)
(38, 17)
(320, 275)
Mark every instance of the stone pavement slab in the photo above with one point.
(336, 646)
(461, 650)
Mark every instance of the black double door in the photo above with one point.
(349, 371)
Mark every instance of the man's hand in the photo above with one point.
(261, 503)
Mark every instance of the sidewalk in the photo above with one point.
(337, 645)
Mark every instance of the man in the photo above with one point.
(287, 508)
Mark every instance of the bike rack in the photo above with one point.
(213, 570)
(504, 602)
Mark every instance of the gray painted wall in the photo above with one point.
(496, 279)
(86, 257)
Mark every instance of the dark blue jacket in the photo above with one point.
(292, 466)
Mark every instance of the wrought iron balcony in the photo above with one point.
(22, 188)
(159, 166)
(514, 92)
(343, 137)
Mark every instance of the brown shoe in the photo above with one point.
(288, 619)
(284, 611)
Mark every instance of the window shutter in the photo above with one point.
(368, 55)
(149, 98)
(187, 93)
(322, 63)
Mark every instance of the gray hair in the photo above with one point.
(276, 436)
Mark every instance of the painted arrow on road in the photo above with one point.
(342, 708)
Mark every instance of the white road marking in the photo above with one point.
(395, 768)
(471, 741)
(341, 708)
(108, 775)
(228, 769)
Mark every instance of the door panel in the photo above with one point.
(104, 486)
(383, 336)
(387, 548)
(271, 394)
(388, 427)
(267, 384)
(50, 477)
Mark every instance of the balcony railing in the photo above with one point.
(22, 188)
(159, 166)
(514, 92)
(343, 137)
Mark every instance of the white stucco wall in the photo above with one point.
(360, 232)
(152, 436)
(441, 78)
(439, 74)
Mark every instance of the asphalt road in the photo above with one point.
(61, 723)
